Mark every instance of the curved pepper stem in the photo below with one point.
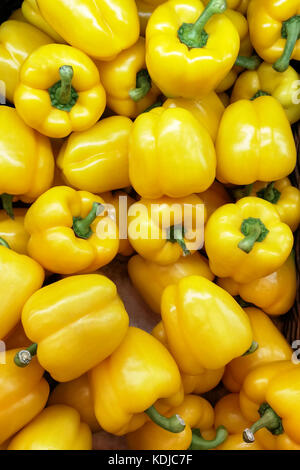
(291, 32)
(158, 104)
(249, 63)
(259, 94)
(173, 424)
(193, 35)
(143, 86)
(63, 96)
(199, 443)
(269, 193)
(4, 243)
(268, 419)
(254, 347)
(82, 226)
(24, 357)
(243, 191)
(7, 204)
(254, 231)
(176, 235)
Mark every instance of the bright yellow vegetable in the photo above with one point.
(32, 14)
(13, 230)
(215, 197)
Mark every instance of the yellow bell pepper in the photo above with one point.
(68, 233)
(59, 91)
(13, 230)
(272, 347)
(150, 279)
(198, 415)
(101, 28)
(198, 315)
(129, 382)
(238, 5)
(32, 14)
(162, 230)
(215, 197)
(275, 31)
(77, 394)
(75, 323)
(255, 142)
(190, 49)
(145, 10)
(266, 81)
(127, 83)
(171, 154)
(275, 294)
(23, 394)
(207, 110)
(56, 428)
(97, 160)
(247, 240)
(228, 413)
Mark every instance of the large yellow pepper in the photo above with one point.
(32, 14)
(17, 41)
(190, 49)
(247, 240)
(75, 323)
(56, 428)
(275, 31)
(275, 294)
(198, 315)
(23, 394)
(255, 142)
(171, 154)
(13, 230)
(101, 28)
(238, 5)
(266, 81)
(215, 197)
(150, 279)
(68, 233)
(145, 10)
(163, 230)
(97, 160)
(131, 380)
(59, 91)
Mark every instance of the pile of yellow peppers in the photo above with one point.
(119, 115)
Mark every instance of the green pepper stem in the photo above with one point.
(63, 96)
(254, 231)
(250, 63)
(82, 226)
(199, 443)
(290, 31)
(7, 204)
(173, 424)
(269, 420)
(269, 193)
(254, 347)
(259, 94)
(243, 191)
(4, 243)
(176, 235)
(158, 104)
(143, 86)
(24, 357)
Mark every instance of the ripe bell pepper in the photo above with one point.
(13, 230)
(145, 10)
(59, 91)
(126, 385)
(198, 315)
(247, 240)
(23, 394)
(68, 233)
(97, 160)
(255, 142)
(75, 323)
(275, 31)
(56, 428)
(215, 197)
(100, 28)
(163, 230)
(32, 14)
(164, 162)
(190, 49)
(266, 81)
(198, 415)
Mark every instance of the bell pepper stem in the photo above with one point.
(268, 419)
(259, 94)
(143, 86)
(4, 243)
(249, 63)
(63, 96)
(243, 191)
(7, 204)
(199, 443)
(254, 347)
(158, 104)
(269, 193)
(24, 357)
(82, 226)
(173, 424)
(290, 31)
(176, 235)
(254, 231)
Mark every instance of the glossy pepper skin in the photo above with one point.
(128, 85)
(197, 315)
(17, 41)
(23, 395)
(13, 230)
(67, 231)
(215, 197)
(32, 14)
(97, 160)
(281, 85)
(59, 91)
(150, 279)
(272, 347)
(107, 26)
(122, 393)
(190, 61)
(171, 154)
(254, 143)
(163, 230)
(77, 322)
(247, 240)
(56, 428)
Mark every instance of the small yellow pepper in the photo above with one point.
(75, 323)
(55, 428)
(171, 154)
(59, 91)
(247, 240)
(215, 197)
(69, 233)
(145, 10)
(13, 230)
(32, 14)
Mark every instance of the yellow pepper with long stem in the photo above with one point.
(13, 230)
(59, 91)
(32, 14)
(190, 49)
